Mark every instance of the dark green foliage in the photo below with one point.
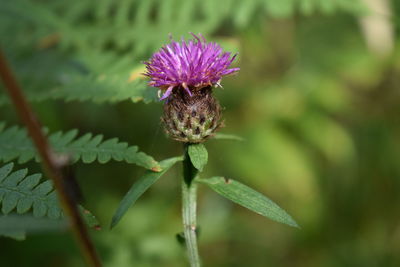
(15, 144)
(94, 89)
(104, 89)
(89, 30)
(127, 23)
(21, 193)
(17, 226)
(36, 203)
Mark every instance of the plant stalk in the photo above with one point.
(51, 167)
(189, 203)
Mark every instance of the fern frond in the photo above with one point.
(31, 199)
(127, 24)
(90, 29)
(15, 144)
(95, 88)
(103, 89)
(20, 193)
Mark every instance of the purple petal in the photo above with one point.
(185, 64)
(167, 93)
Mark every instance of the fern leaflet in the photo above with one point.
(20, 192)
(44, 77)
(94, 89)
(15, 144)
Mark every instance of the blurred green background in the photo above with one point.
(317, 101)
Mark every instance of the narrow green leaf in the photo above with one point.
(89, 218)
(222, 136)
(248, 198)
(138, 188)
(198, 155)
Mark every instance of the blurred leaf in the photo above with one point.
(328, 136)
(102, 89)
(248, 198)
(17, 226)
(111, 22)
(14, 143)
(307, 6)
(244, 13)
(274, 153)
(89, 218)
(139, 187)
(198, 155)
(223, 136)
(93, 76)
(281, 8)
(17, 235)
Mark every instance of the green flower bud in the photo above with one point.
(192, 119)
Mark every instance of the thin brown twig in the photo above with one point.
(49, 163)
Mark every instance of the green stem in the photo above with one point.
(189, 190)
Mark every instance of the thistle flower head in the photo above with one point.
(188, 65)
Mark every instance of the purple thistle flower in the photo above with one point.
(190, 65)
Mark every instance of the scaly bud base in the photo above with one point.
(192, 119)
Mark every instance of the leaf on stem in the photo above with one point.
(198, 155)
(248, 198)
(90, 220)
(138, 188)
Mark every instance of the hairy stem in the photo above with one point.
(51, 167)
(189, 202)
